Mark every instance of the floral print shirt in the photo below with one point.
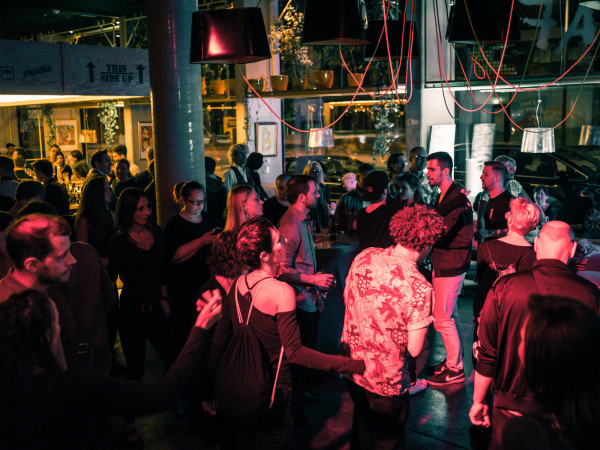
(385, 297)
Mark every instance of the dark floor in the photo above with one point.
(438, 418)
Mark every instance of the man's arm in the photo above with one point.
(480, 410)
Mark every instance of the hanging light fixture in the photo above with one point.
(473, 21)
(538, 140)
(228, 36)
(592, 4)
(333, 22)
(398, 45)
(320, 138)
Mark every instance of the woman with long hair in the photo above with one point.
(94, 222)
(243, 203)
(549, 211)
(560, 347)
(42, 406)
(63, 171)
(136, 256)
(187, 238)
(408, 188)
(269, 307)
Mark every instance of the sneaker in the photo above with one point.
(420, 384)
(446, 377)
(434, 370)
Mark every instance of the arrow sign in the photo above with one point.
(91, 67)
(140, 70)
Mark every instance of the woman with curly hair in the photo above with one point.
(388, 311)
(94, 222)
(560, 341)
(43, 407)
(243, 203)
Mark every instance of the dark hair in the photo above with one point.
(126, 206)
(37, 207)
(498, 168)
(298, 184)
(416, 149)
(97, 157)
(5, 220)
(416, 227)
(92, 207)
(443, 159)
(562, 342)
(55, 146)
(120, 150)
(210, 164)
(254, 237)
(19, 161)
(9, 144)
(44, 166)
(364, 169)
(283, 176)
(124, 161)
(28, 189)
(393, 160)
(413, 181)
(76, 155)
(30, 237)
(255, 161)
(25, 322)
(222, 259)
(19, 151)
(7, 164)
(541, 188)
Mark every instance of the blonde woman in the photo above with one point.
(243, 203)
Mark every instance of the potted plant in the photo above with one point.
(354, 59)
(323, 77)
(218, 85)
(287, 33)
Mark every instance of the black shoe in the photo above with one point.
(438, 368)
(447, 377)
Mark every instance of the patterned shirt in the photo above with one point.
(429, 193)
(385, 297)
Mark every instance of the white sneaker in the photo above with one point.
(420, 384)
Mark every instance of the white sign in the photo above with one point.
(442, 139)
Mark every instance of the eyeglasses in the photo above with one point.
(196, 202)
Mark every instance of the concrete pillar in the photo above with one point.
(176, 95)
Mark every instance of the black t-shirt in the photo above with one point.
(495, 212)
(374, 227)
(273, 210)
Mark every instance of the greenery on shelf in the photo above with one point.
(380, 116)
(286, 33)
(48, 114)
(109, 117)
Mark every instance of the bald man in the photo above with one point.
(502, 317)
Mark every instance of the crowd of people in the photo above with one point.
(234, 257)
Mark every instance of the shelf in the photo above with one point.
(333, 92)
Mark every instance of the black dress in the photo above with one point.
(143, 273)
(186, 278)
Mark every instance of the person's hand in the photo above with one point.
(480, 414)
(209, 407)
(324, 280)
(209, 306)
(164, 303)
(371, 370)
(207, 238)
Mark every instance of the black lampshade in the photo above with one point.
(397, 45)
(227, 36)
(333, 22)
(488, 18)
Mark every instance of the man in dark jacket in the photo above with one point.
(504, 314)
(450, 260)
(54, 193)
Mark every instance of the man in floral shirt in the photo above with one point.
(388, 310)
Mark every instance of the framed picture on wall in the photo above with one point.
(266, 138)
(146, 137)
(66, 134)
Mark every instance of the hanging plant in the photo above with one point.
(109, 118)
(287, 33)
(380, 116)
(48, 114)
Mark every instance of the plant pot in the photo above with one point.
(279, 83)
(358, 76)
(218, 87)
(231, 82)
(257, 84)
(323, 79)
(300, 83)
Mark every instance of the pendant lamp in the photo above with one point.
(592, 4)
(333, 22)
(538, 140)
(483, 21)
(228, 36)
(321, 138)
(397, 45)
